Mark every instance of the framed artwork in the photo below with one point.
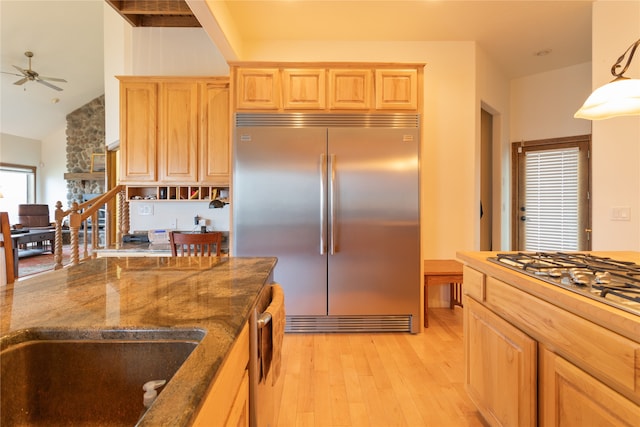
(98, 163)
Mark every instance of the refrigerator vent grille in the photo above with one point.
(390, 120)
(305, 324)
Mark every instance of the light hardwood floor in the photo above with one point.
(386, 379)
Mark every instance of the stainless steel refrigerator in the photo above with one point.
(336, 199)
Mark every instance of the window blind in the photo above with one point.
(551, 202)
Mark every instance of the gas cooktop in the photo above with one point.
(610, 281)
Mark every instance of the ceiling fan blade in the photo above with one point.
(53, 79)
(11, 74)
(24, 72)
(22, 81)
(48, 84)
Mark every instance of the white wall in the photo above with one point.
(166, 214)
(117, 61)
(18, 150)
(543, 105)
(616, 141)
(175, 52)
(53, 186)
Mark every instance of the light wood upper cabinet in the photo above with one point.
(350, 89)
(174, 130)
(396, 89)
(258, 89)
(329, 87)
(178, 132)
(304, 89)
(214, 127)
(138, 131)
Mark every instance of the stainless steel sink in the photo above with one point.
(73, 377)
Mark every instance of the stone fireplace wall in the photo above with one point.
(85, 136)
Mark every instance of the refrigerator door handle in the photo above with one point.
(332, 210)
(323, 197)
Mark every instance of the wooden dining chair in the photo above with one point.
(195, 244)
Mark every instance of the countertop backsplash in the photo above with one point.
(170, 215)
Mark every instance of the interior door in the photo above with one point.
(374, 256)
(278, 196)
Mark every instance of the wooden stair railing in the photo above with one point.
(79, 214)
(7, 244)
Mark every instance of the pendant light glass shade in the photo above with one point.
(621, 97)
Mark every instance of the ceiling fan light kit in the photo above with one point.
(33, 76)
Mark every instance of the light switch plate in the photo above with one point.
(621, 213)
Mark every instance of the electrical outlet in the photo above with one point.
(174, 224)
(145, 209)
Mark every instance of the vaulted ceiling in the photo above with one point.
(523, 37)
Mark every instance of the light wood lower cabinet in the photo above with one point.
(227, 403)
(529, 362)
(500, 368)
(570, 397)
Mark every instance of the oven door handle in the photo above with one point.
(264, 320)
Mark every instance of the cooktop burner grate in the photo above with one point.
(610, 281)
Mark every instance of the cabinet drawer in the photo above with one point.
(473, 283)
(610, 357)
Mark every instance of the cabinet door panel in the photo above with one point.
(350, 89)
(214, 142)
(138, 123)
(396, 89)
(572, 398)
(500, 368)
(258, 89)
(178, 132)
(304, 89)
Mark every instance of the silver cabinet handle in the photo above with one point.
(332, 212)
(323, 194)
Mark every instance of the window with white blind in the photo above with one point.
(551, 200)
(551, 206)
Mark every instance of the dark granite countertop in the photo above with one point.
(157, 293)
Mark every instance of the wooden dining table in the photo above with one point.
(442, 272)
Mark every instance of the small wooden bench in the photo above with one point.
(442, 272)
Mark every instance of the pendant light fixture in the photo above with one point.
(620, 97)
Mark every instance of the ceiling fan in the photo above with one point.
(31, 75)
